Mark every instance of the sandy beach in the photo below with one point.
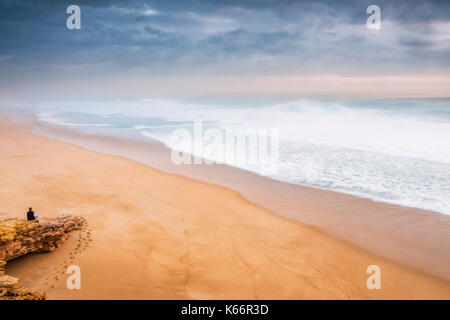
(164, 236)
(411, 236)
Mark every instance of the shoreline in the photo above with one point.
(220, 242)
(65, 133)
(415, 237)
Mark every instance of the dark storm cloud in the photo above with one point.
(222, 36)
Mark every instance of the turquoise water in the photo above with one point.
(395, 151)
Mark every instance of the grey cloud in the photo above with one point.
(415, 42)
(224, 36)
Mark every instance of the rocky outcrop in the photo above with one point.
(20, 237)
(10, 290)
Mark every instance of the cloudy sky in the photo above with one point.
(192, 47)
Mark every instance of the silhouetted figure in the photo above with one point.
(30, 215)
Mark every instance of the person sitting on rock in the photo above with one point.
(30, 215)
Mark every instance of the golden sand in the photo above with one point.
(162, 236)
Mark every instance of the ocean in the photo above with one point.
(395, 151)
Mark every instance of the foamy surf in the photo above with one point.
(389, 151)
